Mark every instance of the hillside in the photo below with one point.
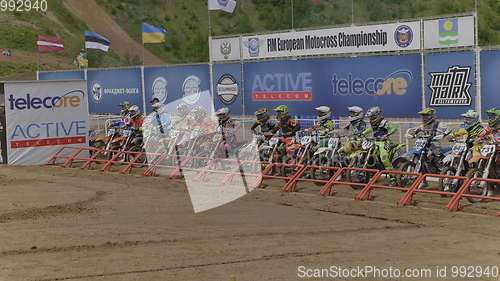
(187, 24)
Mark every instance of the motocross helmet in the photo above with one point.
(428, 116)
(261, 114)
(182, 110)
(471, 119)
(134, 111)
(375, 115)
(355, 113)
(124, 106)
(282, 112)
(324, 113)
(493, 117)
(222, 114)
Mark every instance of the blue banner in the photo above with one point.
(180, 84)
(62, 75)
(108, 88)
(490, 80)
(227, 87)
(391, 82)
(450, 83)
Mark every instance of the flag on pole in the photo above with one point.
(49, 44)
(152, 34)
(225, 5)
(96, 41)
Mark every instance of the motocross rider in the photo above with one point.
(493, 132)
(325, 125)
(381, 130)
(471, 130)
(228, 128)
(433, 128)
(265, 123)
(136, 121)
(355, 128)
(199, 119)
(288, 126)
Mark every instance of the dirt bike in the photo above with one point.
(299, 151)
(482, 170)
(130, 140)
(368, 158)
(328, 156)
(109, 141)
(421, 160)
(455, 165)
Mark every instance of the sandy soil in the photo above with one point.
(69, 224)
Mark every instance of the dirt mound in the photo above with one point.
(102, 23)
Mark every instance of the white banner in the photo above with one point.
(356, 39)
(449, 32)
(226, 49)
(42, 117)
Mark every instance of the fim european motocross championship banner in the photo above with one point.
(490, 82)
(391, 82)
(109, 88)
(450, 83)
(42, 117)
(357, 39)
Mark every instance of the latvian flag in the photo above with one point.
(96, 41)
(49, 44)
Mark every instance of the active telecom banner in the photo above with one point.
(357, 39)
(391, 82)
(42, 117)
(449, 32)
(490, 82)
(227, 87)
(183, 84)
(450, 83)
(108, 88)
(62, 75)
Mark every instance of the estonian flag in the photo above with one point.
(152, 34)
(96, 41)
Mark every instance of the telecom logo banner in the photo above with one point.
(42, 117)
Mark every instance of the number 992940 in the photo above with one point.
(23, 5)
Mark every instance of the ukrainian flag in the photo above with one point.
(152, 34)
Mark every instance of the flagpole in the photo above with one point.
(291, 1)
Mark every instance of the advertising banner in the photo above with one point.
(177, 83)
(357, 39)
(42, 117)
(490, 82)
(62, 75)
(227, 87)
(450, 83)
(226, 49)
(391, 82)
(109, 88)
(449, 32)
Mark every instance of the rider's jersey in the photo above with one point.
(472, 133)
(356, 128)
(288, 128)
(382, 129)
(325, 127)
(435, 129)
(492, 134)
(265, 127)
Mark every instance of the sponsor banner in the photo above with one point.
(226, 49)
(450, 83)
(490, 82)
(42, 117)
(109, 88)
(356, 39)
(62, 75)
(391, 82)
(183, 83)
(227, 87)
(449, 32)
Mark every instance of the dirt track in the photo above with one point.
(68, 224)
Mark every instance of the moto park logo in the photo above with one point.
(282, 87)
(395, 83)
(451, 87)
